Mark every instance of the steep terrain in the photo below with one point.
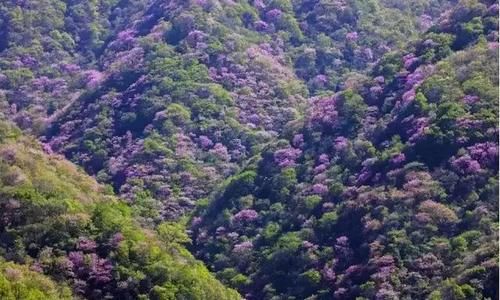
(318, 149)
(165, 99)
(57, 221)
(385, 190)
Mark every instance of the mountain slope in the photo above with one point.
(165, 99)
(386, 190)
(59, 222)
(18, 282)
(322, 149)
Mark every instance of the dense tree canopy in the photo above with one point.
(59, 222)
(387, 189)
(301, 149)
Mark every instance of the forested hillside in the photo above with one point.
(165, 99)
(315, 149)
(385, 190)
(57, 221)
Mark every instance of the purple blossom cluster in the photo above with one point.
(398, 159)
(86, 244)
(429, 264)
(256, 86)
(352, 36)
(243, 247)
(91, 270)
(485, 153)
(319, 189)
(246, 215)
(320, 81)
(298, 140)
(425, 22)
(259, 4)
(261, 25)
(409, 60)
(221, 152)
(470, 99)
(205, 142)
(340, 144)
(412, 81)
(415, 128)
(195, 37)
(124, 40)
(323, 111)
(286, 157)
(93, 78)
(274, 15)
(465, 165)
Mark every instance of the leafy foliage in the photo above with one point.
(59, 222)
(322, 149)
(373, 195)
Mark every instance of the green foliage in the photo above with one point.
(328, 221)
(18, 282)
(172, 234)
(153, 144)
(310, 202)
(240, 185)
(312, 277)
(451, 290)
(178, 113)
(352, 108)
(240, 281)
(181, 105)
(60, 206)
